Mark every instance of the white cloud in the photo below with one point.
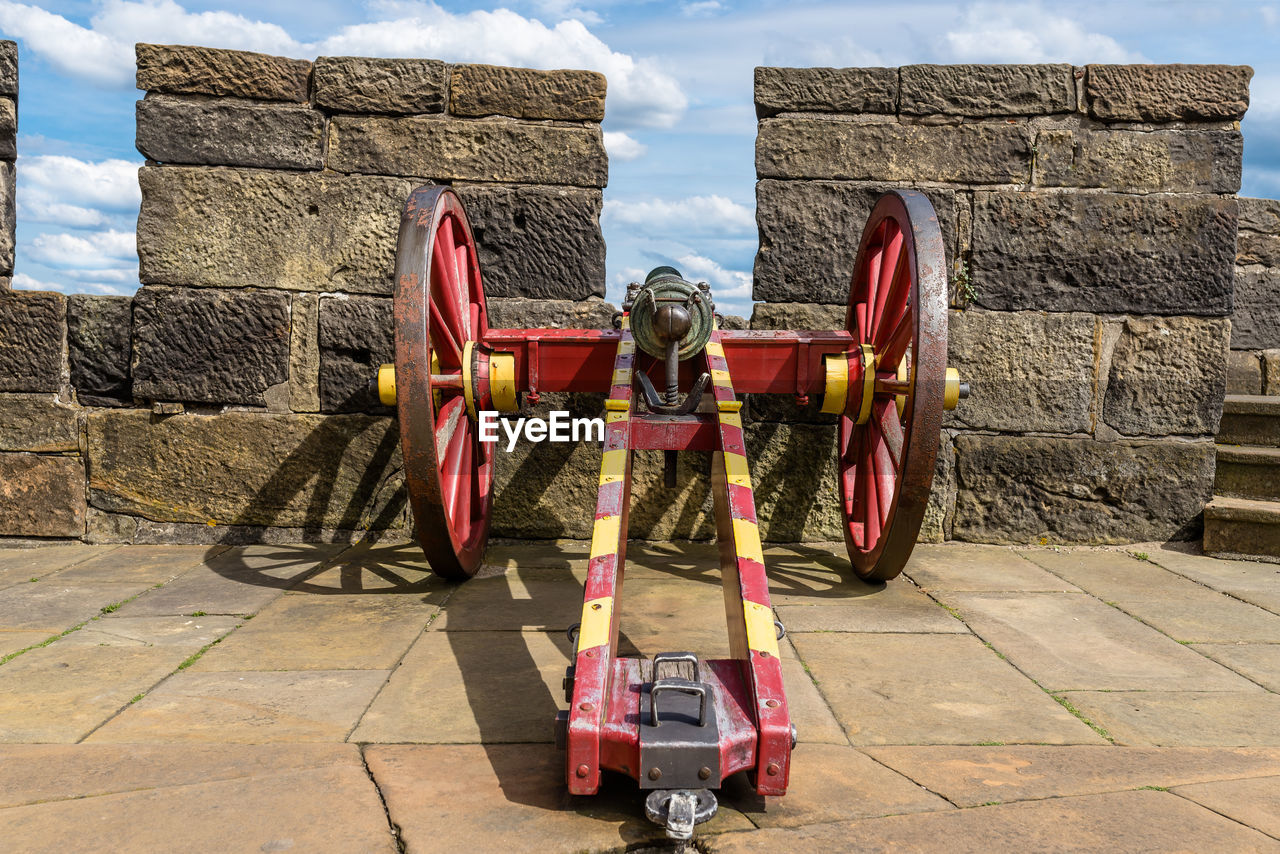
(76, 193)
(622, 146)
(108, 283)
(702, 8)
(1004, 32)
(1270, 16)
(98, 249)
(730, 286)
(693, 215)
(641, 93)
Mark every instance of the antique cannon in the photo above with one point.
(678, 725)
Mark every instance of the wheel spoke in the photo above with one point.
(896, 301)
(452, 411)
(444, 292)
(442, 340)
(870, 509)
(897, 343)
(890, 263)
(884, 415)
(455, 472)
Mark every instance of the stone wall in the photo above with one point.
(1254, 364)
(1090, 220)
(8, 154)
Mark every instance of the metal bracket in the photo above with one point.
(679, 733)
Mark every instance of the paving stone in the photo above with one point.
(188, 633)
(511, 225)
(961, 567)
(32, 330)
(69, 772)
(1180, 608)
(62, 692)
(510, 798)
(53, 606)
(248, 468)
(1173, 161)
(941, 689)
(335, 808)
(210, 346)
(471, 687)
(529, 599)
(1085, 251)
(360, 84)
(230, 132)
(18, 565)
(1254, 582)
(180, 69)
(987, 90)
(458, 149)
(142, 564)
(826, 90)
(1253, 803)
(1079, 490)
(1257, 661)
(309, 632)
(100, 348)
(377, 568)
(798, 220)
(235, 228)
(898, 607)
(247, 707)
(839, 150)
(11, 642)
(526, 93)
(814, 721)
(1184, 718)
(37, 423)
(1162, 93)
(1124, 821)
(831, 783)
(1069, 641)
(1168, 375)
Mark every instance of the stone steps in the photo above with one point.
(1244, 516)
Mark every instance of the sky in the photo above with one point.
(680, 125)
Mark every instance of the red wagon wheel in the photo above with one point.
(897, 308)
(439, 315)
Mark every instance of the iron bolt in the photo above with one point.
(704, 773)
(586, 707)
(773, 769)
(655, 773)
(773, 704)
(582, 771)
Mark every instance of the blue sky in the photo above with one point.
(680, 125)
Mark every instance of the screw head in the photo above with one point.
(773, 704)
(586, 707)
(772, 769)
(655, 773)
(582, 771)
(704, 773)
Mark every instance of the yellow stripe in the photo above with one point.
(735, 467)
(719, 377)
(613, 466)
(729, 416)
(622, 377)
(626, 347)
(614, 417)
(762, 636)
(604, 536)
(746, 539)
(614, 405)
(626, 321)
(715, 348)
(597, 616)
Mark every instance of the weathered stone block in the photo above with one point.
(1103, 252)
(794, 315)
(1173, 161)
(245, 228)
(41, 496)
(100, 349)
(519, 313)
(1254, 248)
(823, 148)
(809, 235)
(9, 68)
(184, 70)
(825, 90)
(304, 353)
(1244, 372)
(227, 132)
(987, 90)
(1028, 371)
(1162, 93)
(37, 423)
(209, 346)
(940, 512)
(1271, 372)
(468, 150)
(356, 336)
(245, 468)
(360, 84)
(1168, 375)
(8, 214)
(8, 129)
(33, 327)
(1261, 215)
(525, 93)
(1255, 324)
(1079, 490)
(542, 242)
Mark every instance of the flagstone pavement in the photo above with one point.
(330, 699)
